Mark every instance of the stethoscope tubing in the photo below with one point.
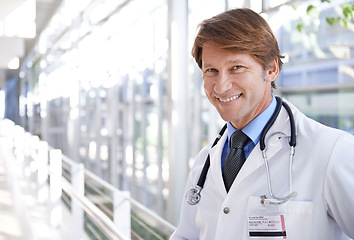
(193, 195)
(206, 166)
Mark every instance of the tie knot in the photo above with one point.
(238, 140)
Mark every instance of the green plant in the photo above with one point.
(346, 16)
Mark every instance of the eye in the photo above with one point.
(237, 67)
(211, 70)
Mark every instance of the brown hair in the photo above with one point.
(240, 30)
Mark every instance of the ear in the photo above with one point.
(272, 71)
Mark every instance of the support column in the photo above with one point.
(55, 191)
(113, 111)
(178, 98)
(121, 212)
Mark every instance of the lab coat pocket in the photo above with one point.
(292, 220)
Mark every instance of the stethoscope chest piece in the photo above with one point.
(193, 195)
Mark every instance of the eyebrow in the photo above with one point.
(236, 60)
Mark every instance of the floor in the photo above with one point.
(25, 211)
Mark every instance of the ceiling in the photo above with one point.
(14, 43)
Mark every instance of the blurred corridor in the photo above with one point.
(108, 88)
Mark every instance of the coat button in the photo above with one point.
(226, 210)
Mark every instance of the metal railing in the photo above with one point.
(99, 209)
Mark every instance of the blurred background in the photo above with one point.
(112, 84)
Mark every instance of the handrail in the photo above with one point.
(100, 218)
(110, 187)
(132, 201)
(74, 187)
(147, 228)
(153, 214)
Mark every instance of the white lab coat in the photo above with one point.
(323, 177)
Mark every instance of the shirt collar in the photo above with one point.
(254, 129)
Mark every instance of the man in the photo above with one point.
(240, 60)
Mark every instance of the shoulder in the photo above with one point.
(310, 128)
(202, 155)
(200, 159)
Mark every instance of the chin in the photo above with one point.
(228, 117)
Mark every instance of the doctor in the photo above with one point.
(240, 60)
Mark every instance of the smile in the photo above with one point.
(230, 98)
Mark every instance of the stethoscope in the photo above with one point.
(193, 195)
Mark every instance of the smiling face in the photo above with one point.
(236, 84)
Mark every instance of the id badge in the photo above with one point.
(267, 227)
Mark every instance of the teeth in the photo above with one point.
(229, 99)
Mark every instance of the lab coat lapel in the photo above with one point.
(215, 164)
(280, 128)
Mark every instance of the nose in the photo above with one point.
(222, 83)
